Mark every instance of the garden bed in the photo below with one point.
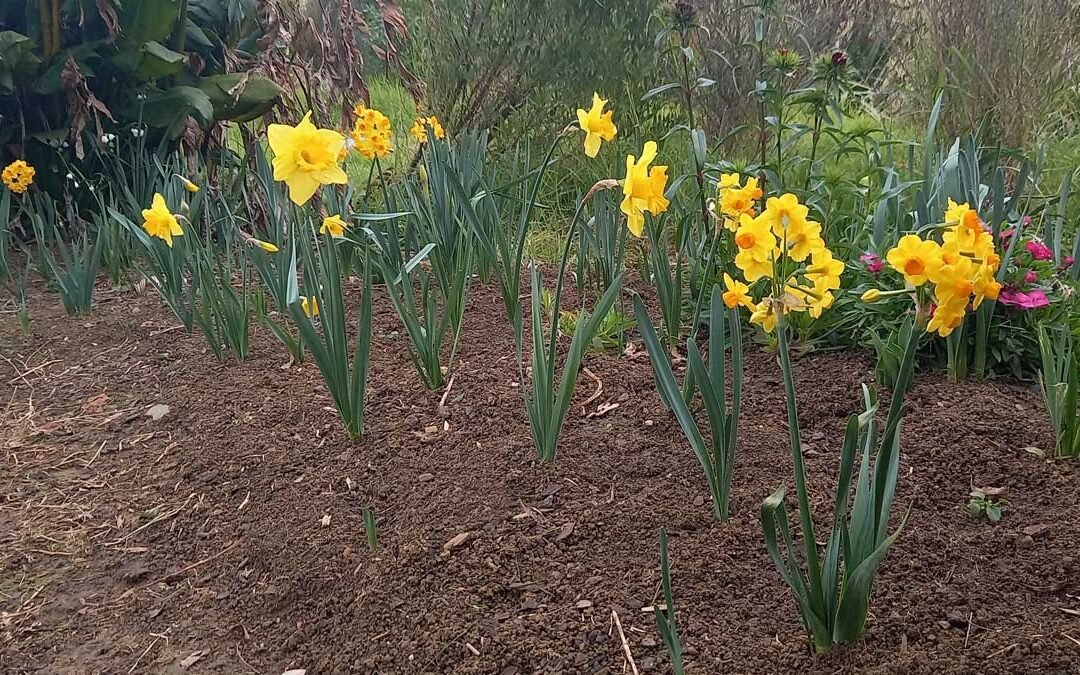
(227, 536)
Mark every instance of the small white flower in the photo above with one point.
(70, 176)
(76, 185)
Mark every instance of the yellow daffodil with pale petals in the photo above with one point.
(333, 225)
(643, 189)
(785, 213)
(306, 157)
(159, 222)
(597, 125)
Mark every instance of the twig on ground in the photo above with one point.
(625, 644)
(595, 394)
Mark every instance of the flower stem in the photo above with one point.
(805, 517)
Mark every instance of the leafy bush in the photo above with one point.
(512, 65)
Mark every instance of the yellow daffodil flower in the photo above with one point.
(953, 283)
(784, 214)
(596, 124)
(825, 270)
(159, 222)
(915, 259)
(757, 245)
(643, 189)
(310, 306)
(764, 315)
(306, 157)
(736, 199)
(419, 128)
(18, 176)
(946, 319)
(803, 238)
(265, 245)
(371, 133)
(737, 293)
(964, 226)
(333, 225)
(985, 286)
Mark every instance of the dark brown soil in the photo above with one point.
(227, 537)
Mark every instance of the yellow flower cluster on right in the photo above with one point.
(737, 198)
(419, 128)
(962, 269)
(18, 176)
(371, 133)
(784, 246)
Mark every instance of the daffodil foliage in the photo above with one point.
(833, 592)
(717, 456)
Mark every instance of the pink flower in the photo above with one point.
(1033, 299)
(872, 261)
(1067, 262)
(1039, 250)
(1006, 235)
(1026, 220)
(1031, 277)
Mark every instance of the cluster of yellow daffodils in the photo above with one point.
(371, 133)
(962, 269)
(643, 189)
(159, 222)
(784, 246)
(597, 125)
(420, 125)
(18, 176)
(306, 157)
(737, 198)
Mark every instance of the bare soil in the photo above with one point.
(227, 536)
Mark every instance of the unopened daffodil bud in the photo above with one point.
(871, 295)
(188, 185)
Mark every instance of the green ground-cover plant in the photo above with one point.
(980, 506)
